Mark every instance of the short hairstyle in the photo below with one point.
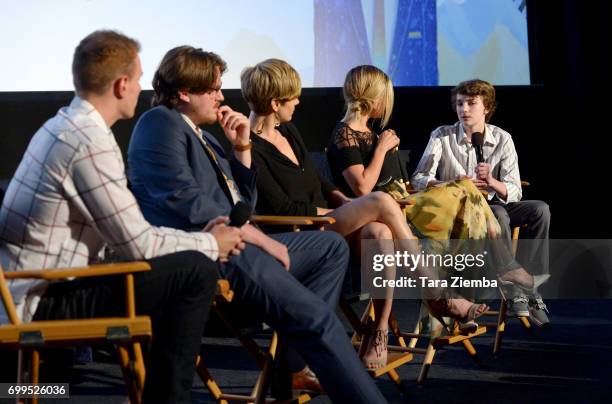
(473, 88)
(363, 87)
(100, 58)
(185, 68)
(269, 80)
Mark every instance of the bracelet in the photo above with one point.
(243, 147)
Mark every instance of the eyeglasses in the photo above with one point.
(208, 91)
(213, 91)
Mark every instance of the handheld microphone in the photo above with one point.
(477, 142)
(240, 214)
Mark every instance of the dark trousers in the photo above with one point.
(535, 216)
(177, 293)
(300, 305)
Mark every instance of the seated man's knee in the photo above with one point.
(335, 242)
(540, 210)
(197, 268)
(501, 214)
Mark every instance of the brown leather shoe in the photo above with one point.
(306, 380)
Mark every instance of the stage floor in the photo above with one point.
(571, 362)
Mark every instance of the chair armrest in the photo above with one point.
(92, 270)
(293, 220)
(322, 220)
(283, 220)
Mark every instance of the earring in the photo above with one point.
(276, 120)
(259, 130)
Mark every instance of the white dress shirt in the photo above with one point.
(69, 198)
(449, 154)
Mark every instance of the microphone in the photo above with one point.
(477, 141)
(240, 214)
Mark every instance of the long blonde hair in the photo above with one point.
(363, 87)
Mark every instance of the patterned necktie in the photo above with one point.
(234, 193)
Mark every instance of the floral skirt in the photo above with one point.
(455, 210)
(456, 218)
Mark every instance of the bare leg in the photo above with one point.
(373, 350)
(374, 207)
(382, 208)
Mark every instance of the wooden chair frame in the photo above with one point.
(439, 336)
(127, 333)
(501, 313)
(264, 357)
(398, 356)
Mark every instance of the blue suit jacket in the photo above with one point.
(174, 179)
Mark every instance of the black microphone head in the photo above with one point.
(241, 212)
(477, 139)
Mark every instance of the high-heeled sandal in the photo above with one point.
(379, 341)
(440, 308)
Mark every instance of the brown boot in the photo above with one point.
(306, 380)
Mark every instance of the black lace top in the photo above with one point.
(349, 147)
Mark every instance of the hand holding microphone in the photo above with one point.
(388, 140)
(228, 233)
(482, 170)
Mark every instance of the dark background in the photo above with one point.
(559, 124)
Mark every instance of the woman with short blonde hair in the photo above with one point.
(289, 184)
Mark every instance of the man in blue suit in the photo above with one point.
(182, 178)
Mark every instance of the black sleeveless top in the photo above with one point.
(349, 147)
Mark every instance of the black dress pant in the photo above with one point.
(176, 293)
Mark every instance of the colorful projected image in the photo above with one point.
(417, 42)
(422, 42)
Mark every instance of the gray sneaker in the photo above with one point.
(538, 311)
(518, 306)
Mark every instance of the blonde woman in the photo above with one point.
(362, 159)
(289, 184)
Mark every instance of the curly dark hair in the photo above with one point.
(473, 88)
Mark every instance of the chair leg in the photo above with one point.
(526, 323)
(261, 387)
(353, 319)
(427, 361)
(395, 377)
(467, 344)
(128, 376)
(396, 331)
(501, 326)
(139, 366)
(211, 384)
(34, 371)
(20, 368)
(417, 330)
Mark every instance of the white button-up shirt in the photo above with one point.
(449, 154)
(69, 198)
